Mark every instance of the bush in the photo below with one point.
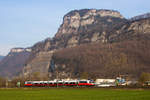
(144, 77)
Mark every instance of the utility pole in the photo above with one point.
(57, 79)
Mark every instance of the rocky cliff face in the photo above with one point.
(131, 30)
(40, 64)
(81, 18)
(18, 50)
(81, 27)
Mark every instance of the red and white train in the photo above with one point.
(56, 83)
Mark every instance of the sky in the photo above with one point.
(26, 22)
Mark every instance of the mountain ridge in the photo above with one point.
(12, 64)
(142, 16)
(104, 30)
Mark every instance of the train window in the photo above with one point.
(28, 83)
(83, 81)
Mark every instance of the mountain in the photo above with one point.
(12, 64)
(143, 16)
(78, 27)
(90, 43)
(1, 57)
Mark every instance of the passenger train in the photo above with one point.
(59, 83)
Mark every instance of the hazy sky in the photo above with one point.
(25, 22)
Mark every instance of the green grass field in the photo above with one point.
(74, 94)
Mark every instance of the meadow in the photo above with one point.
(74, 94)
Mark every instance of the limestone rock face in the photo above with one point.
(130, 30)
(17, 50)
(70, 24)
(140, 26)
(73, 41)
(77, 18)
(40, 63)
